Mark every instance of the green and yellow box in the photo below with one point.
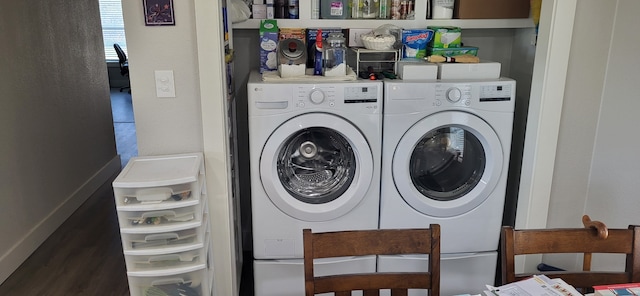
(445, 37)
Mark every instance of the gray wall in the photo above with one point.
(56, 127)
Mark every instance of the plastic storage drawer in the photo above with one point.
(160, 196)
(157, 180)
(192, 281)
(160, 220)
(163, 242)
(193, 257)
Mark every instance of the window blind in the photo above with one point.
(112, 27)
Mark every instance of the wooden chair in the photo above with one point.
(373, 242)
(573, 240)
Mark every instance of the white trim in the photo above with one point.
(213, 97)
(543, 123)
(12, 259)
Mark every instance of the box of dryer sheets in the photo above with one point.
(445, 37)
(481, 70)
(268, 45)
(491, 9)
(410, 69)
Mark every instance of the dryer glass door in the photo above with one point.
(316, 167)
(447, 163)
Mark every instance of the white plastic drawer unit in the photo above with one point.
(164, 242)
(161, 220)
(189, 257)
(159, 182)
(190, 281)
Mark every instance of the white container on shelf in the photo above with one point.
(442, 9)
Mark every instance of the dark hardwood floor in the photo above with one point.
(82, 257)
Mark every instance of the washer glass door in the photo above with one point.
(447, 164)
(316, 167)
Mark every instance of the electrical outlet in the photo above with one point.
(165, 86)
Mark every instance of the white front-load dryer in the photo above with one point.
(446, 146)
(315, 152)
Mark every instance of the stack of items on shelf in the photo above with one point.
(301, 53)
(275, 9)
(535, 285)
(162, 211)
(316, 53)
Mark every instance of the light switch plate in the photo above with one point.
(165, 85)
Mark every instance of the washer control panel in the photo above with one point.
(326, 95)
(453, 94)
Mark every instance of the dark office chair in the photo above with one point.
(124, 64)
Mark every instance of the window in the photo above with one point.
(112, 27)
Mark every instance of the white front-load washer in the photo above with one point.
(315, 153)
(446, 146)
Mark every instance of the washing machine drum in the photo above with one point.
(316, 165)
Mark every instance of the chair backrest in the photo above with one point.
(572, 240)
(122, 57)
(122, 60)
(373, 242)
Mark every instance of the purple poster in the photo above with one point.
(158, 13)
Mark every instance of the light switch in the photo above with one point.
(165, 86)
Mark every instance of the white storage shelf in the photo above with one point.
(162, 210)
(420, 21)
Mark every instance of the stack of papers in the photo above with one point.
(538, 285)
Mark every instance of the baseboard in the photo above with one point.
(12, 259)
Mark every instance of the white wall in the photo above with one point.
(58, 144)
(164, 125)
(597, 169)
(195, 120)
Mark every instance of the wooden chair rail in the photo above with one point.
(576, 240)
(397, 280)
(375, 242)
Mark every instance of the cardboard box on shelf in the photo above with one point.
(491, 9)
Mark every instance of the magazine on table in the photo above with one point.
(537, 285)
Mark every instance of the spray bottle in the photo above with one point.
(317, 51)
